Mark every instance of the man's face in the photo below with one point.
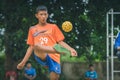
(91, 68)
(42, 16)
(28, 65)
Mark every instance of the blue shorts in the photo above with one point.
(52, 65)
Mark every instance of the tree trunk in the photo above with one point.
(9, 7)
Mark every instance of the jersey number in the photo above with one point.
(43, 40)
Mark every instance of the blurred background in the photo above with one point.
(88, 36)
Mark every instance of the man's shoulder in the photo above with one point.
(52, 24)
(33, 27)
(32, 68)
(95, 71)
(87, 71)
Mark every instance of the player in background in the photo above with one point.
(46, 40)
(117, 46)
(91, 74)
(29, 72)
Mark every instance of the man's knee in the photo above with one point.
(37, 46)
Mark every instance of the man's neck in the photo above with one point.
(42, 24)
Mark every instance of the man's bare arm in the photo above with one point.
(26, 57)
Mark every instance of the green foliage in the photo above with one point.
(2, 69)
(2, 57)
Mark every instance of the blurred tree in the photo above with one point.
(14, 36)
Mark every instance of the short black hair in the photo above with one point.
(91, 65)
(28, 62)
(41, 8)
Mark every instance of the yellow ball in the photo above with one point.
(67, 26)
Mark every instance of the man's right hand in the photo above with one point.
(20, 65)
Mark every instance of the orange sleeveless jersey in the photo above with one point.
(45, 35)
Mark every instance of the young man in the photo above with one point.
(91, 74)
(47, 42)
(29, 72)
(117, 46)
